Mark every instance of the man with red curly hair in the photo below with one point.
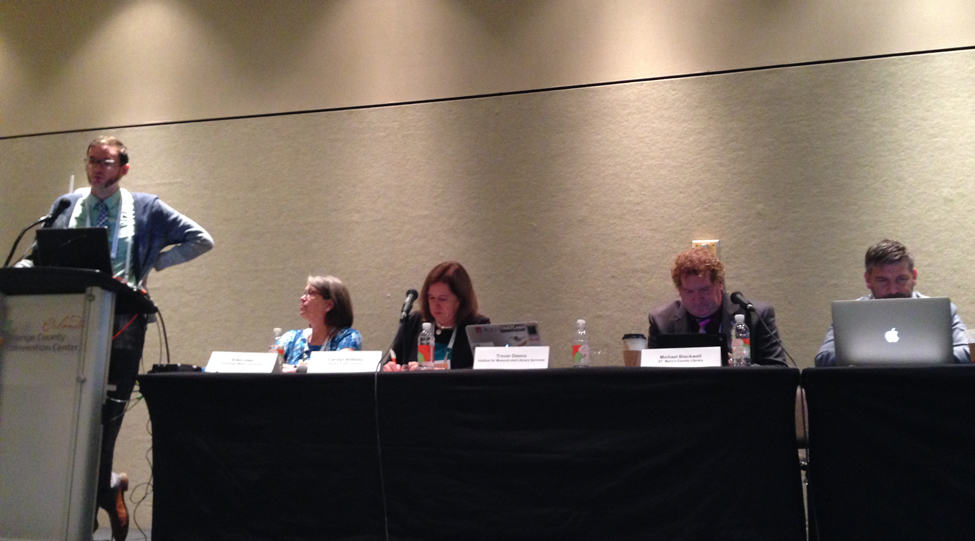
(705, 307)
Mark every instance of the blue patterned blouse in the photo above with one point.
(296, 348)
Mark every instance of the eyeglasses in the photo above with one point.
(311, 292)
(104, 163)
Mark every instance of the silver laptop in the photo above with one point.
(504, 334)
(893, 331)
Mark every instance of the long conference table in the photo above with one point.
(602, 453)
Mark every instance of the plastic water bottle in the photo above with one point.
(580, 346)
(277, 347)
(425, 346)
(741, 343)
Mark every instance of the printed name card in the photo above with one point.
(340, 362)
(511, 358)
(681, 357)
(241, 362)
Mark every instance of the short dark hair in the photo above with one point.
(887, 252)
(330, 287)
(455, 276)
(698, 261)
(112, 141)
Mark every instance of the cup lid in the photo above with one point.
(634, 335)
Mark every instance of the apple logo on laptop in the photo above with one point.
(891, 336)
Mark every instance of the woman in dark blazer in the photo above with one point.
(449, 302)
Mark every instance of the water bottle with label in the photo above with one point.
(580, 345)
(277, 347)
(741, 343)
(425, 346)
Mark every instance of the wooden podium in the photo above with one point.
(55, 337)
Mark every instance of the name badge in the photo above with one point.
(681, 357)
(513, 358)
(241, 362)
(342, 362)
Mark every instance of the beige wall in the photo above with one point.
(562, 204)
(84, 64)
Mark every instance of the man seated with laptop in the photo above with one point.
(705, 307)
(890, 274)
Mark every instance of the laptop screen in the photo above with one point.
(504, 334)
(80, 248)
(696, 340)
(893, 331)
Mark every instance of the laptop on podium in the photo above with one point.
(78, 247)
(893, 331)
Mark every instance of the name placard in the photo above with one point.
(241, 362)
(681, 357)
(341, 362)
(513, 358)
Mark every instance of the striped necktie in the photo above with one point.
(101, 220)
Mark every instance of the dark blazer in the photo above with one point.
(766, 348)
(406, 338)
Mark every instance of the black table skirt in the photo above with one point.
(664, 454)
(892, 452)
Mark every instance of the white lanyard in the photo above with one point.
(450, 345)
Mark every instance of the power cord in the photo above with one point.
(379, 448)
(145, 486)
(165, 336)
(802, 418)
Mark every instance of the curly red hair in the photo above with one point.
(698, 261)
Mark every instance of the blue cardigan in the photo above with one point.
(157, 225)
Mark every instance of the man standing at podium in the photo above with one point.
(890, 274)
(139, 226)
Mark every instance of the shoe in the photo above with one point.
(118, 514)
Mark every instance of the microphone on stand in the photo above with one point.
(411, 296)
(62, 206)
(740, 300)
(46, 220)
(747, 306)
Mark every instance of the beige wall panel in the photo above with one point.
(83, 64)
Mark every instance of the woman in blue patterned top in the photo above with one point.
(327, 307)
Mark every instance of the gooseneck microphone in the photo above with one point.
(62, 206)
(411, 296)
(740, 300)
(46, 220)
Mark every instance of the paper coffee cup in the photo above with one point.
(633, 345)
(634, 341)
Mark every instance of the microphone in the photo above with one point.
(411, 296)
(740, 300)
(747, 306)
(62, 206)
(46, 220)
